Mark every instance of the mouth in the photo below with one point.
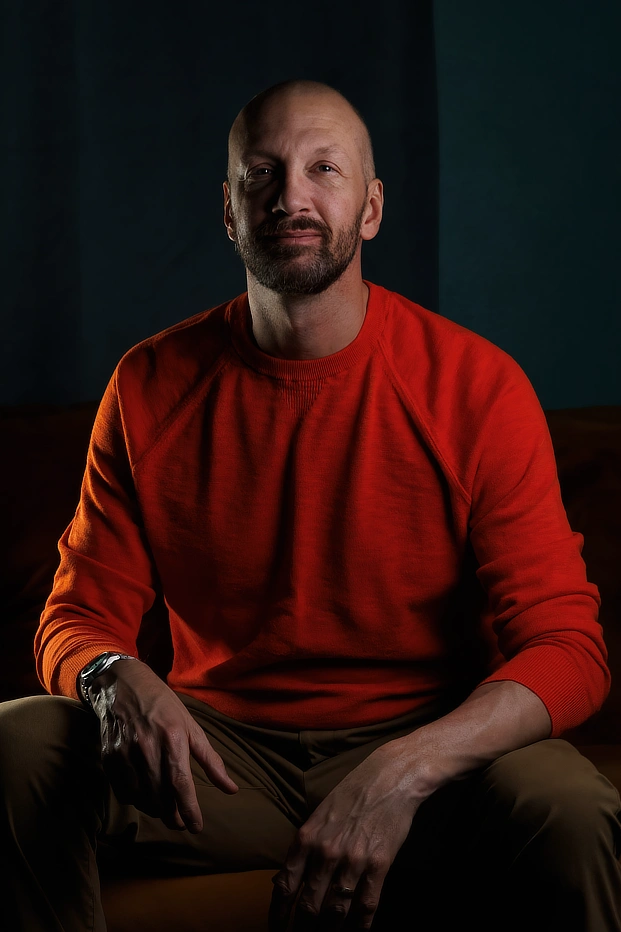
(295, 237)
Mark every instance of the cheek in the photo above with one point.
(249, 216)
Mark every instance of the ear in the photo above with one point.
(375, 209)
(228, 214)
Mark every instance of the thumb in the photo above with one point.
(210, 760)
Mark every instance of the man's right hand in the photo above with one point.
(147, 737)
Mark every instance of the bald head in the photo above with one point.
(285, 94)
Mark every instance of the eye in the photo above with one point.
(323, 165)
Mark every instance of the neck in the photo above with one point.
(307, 326)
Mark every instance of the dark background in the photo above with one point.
(496, 132)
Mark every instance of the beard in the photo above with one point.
(298, 268)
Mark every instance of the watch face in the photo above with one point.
(94, 664)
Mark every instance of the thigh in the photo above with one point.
(533, 822)
(251, 829)
(50, 750)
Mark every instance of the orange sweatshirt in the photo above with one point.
(335, 537)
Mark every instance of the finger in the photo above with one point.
(317, 880)
(210, 760)
(156, 795)
(281, 904)
(181, 781)
(142, 755)
(287, 883)
(170, 813)
(339, 896)
(128, 762)
(118, 769)
(136, 768)
(122, 777)
(366, 900)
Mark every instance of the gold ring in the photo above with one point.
(343, 891)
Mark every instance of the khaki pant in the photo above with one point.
(530, 842)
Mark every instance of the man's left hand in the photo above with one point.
(337, 865)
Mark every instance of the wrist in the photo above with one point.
(411, 765)
(424, 762)
(95, 668)
(494, 719)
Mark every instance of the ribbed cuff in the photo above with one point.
(551, 675)
(60, 675)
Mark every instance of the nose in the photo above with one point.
(293, 194)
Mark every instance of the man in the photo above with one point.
(341, 496)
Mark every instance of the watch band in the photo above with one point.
(93, 669)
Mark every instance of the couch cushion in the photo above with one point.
(220, 903)
(587, 444)
(40, 477)
(44, 452)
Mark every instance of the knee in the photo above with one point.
(549, 789)
(38, 732)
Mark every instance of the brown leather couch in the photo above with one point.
(43, 457)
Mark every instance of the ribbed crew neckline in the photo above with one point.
(240, 322)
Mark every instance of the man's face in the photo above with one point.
(298, 169)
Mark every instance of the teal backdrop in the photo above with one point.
(529, 103)
(496, 132)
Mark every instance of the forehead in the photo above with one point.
(271, 148)
(295, 123)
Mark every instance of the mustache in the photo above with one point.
(298, 226)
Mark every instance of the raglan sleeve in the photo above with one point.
(543, 609)
(104, 583)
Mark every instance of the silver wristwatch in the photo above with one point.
(93, 669)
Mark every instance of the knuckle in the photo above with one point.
(305, 836)
(308, 907)
(178, 769)
(377, 863)
(311, 887)
(110, 750)
(144, 737)
(179, 774)
(336, 909)
(367, 905)
(283, 888)
(195, 730)
(175, 737)
(329, 851)
(355, 863)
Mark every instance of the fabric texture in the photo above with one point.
(335, 538)
(538, 828)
